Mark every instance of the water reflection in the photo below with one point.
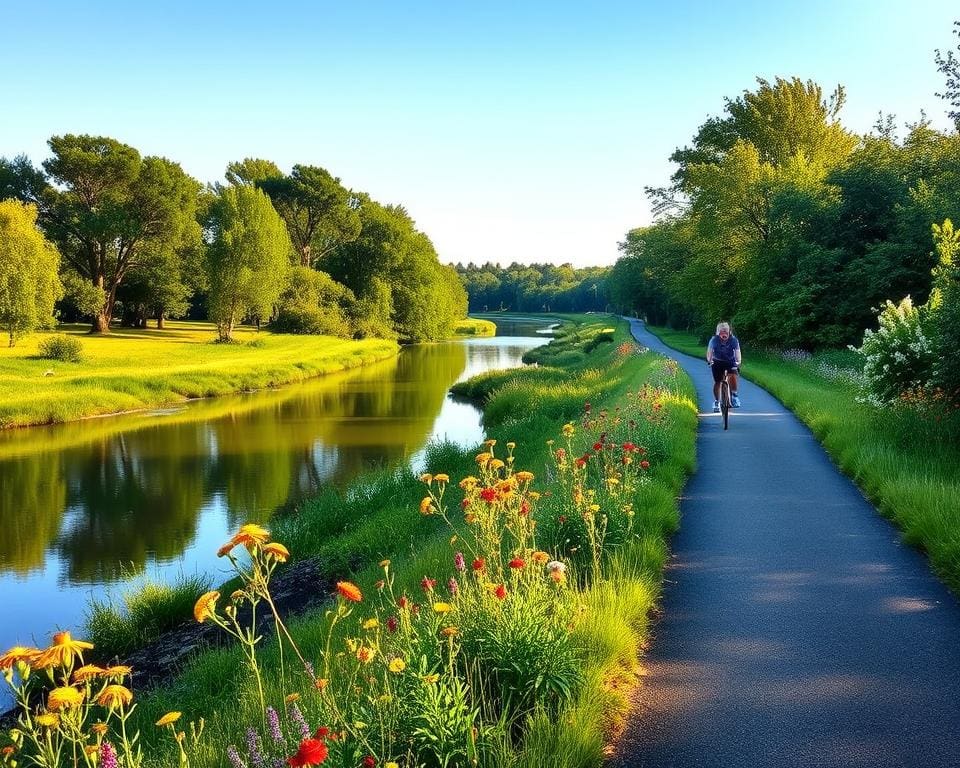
(85, 504)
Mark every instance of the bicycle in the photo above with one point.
(726, 402)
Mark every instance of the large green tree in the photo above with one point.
(247, 258)
(29, 285)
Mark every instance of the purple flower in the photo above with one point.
(309, 667)
(253, 748)
(234, 757)
(453, 586)
(273, 722)
(108, 756)
(459, 562)
(297, 716)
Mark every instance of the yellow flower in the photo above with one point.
(168, 719)
(48, 720)
(99, 729)
(371, 624)
(206, 606)
(442, 607)
(237, 595)
(278, 551)
(495, 464)
(86, 672)
(449, 631)
(365, 654)
(426, 477)
(291, 697)
(17, 654)
(114, 696)
(62, 651)
(384, 563)
(391, 764)
(431, 679)
(64, 697)
(524, 477)
(490, 443)
(469, 483)
(483, 458)
(511, 445)
(397, 666)
(117, 670)
(442, 478)
(426, 505)
(251, 534)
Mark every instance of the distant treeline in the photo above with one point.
(796, 229)
(138, 238)
(535, 287)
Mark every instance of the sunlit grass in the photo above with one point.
(134, 369)
(475, 326)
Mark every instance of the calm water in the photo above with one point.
(92, 506)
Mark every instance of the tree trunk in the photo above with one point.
(160, 320)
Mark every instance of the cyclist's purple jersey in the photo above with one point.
(725, 351)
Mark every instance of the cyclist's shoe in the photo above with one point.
(716, 406)
(735, 401)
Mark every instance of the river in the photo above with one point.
(91, 507)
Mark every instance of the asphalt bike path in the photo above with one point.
(796, 628)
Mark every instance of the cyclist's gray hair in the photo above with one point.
(723, 326)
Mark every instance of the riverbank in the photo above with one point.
(474, 326)
(638, 410)
(135, 369)
(902, 460)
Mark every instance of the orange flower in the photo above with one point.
(64, 697)
(517, 563)
(99, 729)
(117, 670)
(524, 477)
(115, 696)
(365, 654)
(449, 631)
(426, 504)
(62, 651)
(442, 478)
(226, 548)
(17, 654)
(206, 606)
(168, 719)
(251, 535)
(86, 672)
(500, 592)
(278, 551)
(320, 683)
(349, 591)
(540, 557)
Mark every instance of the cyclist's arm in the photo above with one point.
(710, 352)
(736, 354)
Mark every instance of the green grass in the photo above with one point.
(905, 464)
(346, 532)
(475, 326)
(129, 369)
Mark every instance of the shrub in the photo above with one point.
(67, 349)
(898, 356)
(569, 358)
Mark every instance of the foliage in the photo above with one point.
(313, 302)
(67, 349)
(28, 272)
(944, 306)
(247, 260)
(949, 67)
(534, 287)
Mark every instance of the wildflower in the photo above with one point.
(297, 716)
(645, 464)
(524, 508)
(237, 595)
(452, 586)
(253, 749)
(459, 562)
(442, 607)
(371, 624)
(483, 458)
(500, 592)
(489, 495)
(397, 665)
(428, 584)
(479, 564)
(449, 631)
(581, 463)
(556, 565)
(598, 446)
(47, 720)
(391, 764)
(99, 729)
(168, 719)
(276, 550)
(379, 583)
(490, 442)
(206, 606)
(115, 696)
(468, 483)
(426, 477)
(86, 672)
(108, 755)
(310, 752)
(392, 624)
(291, 697)
(369, 762)
(62, 651)
(64, 697)
(226, 549)
(117, 670)
(384, 563)
(524, 477)
(442, 478)
(9, 750)
(235, 760)
(17, 654)
(349, 591)
(470, 518)
(517, 563)
(426, 505)
(365, 654)
(431, 679)
(559, 577)
(568, 430)
(403, 602)
(251, 535)
(320, 683)
(539, 557)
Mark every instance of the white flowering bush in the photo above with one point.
(899, 355)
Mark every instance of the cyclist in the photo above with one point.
(723, 355)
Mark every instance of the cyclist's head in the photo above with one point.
(723, 329)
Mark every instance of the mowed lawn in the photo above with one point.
(131, 369)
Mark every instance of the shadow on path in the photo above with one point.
(797, 629)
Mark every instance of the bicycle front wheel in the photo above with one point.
(725, 404)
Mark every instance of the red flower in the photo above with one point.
(561, 454)
(428, 584)
(489, 495)
(311, 752)
(598, 446)
(517, 563)
(479, 564)
(562, 519)
(629, 447)
(524, 508)
(645, 464)
(392, 624)
(465, 503)
(322, 732)
(501, 592)
(581, 462)
(369, 762)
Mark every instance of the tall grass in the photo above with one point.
(904, 462)
(133, 369)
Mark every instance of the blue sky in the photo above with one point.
(510, 131)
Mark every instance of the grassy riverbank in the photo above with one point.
(130, 369)
(474, 326)
(905, 463)
(614, 398)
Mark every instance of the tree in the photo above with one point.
(944, 306)
(29, 285)
(319, 212)
(247, 259)
(949, 67)
(250, 170)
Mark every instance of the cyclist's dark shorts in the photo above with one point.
(719, 367)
